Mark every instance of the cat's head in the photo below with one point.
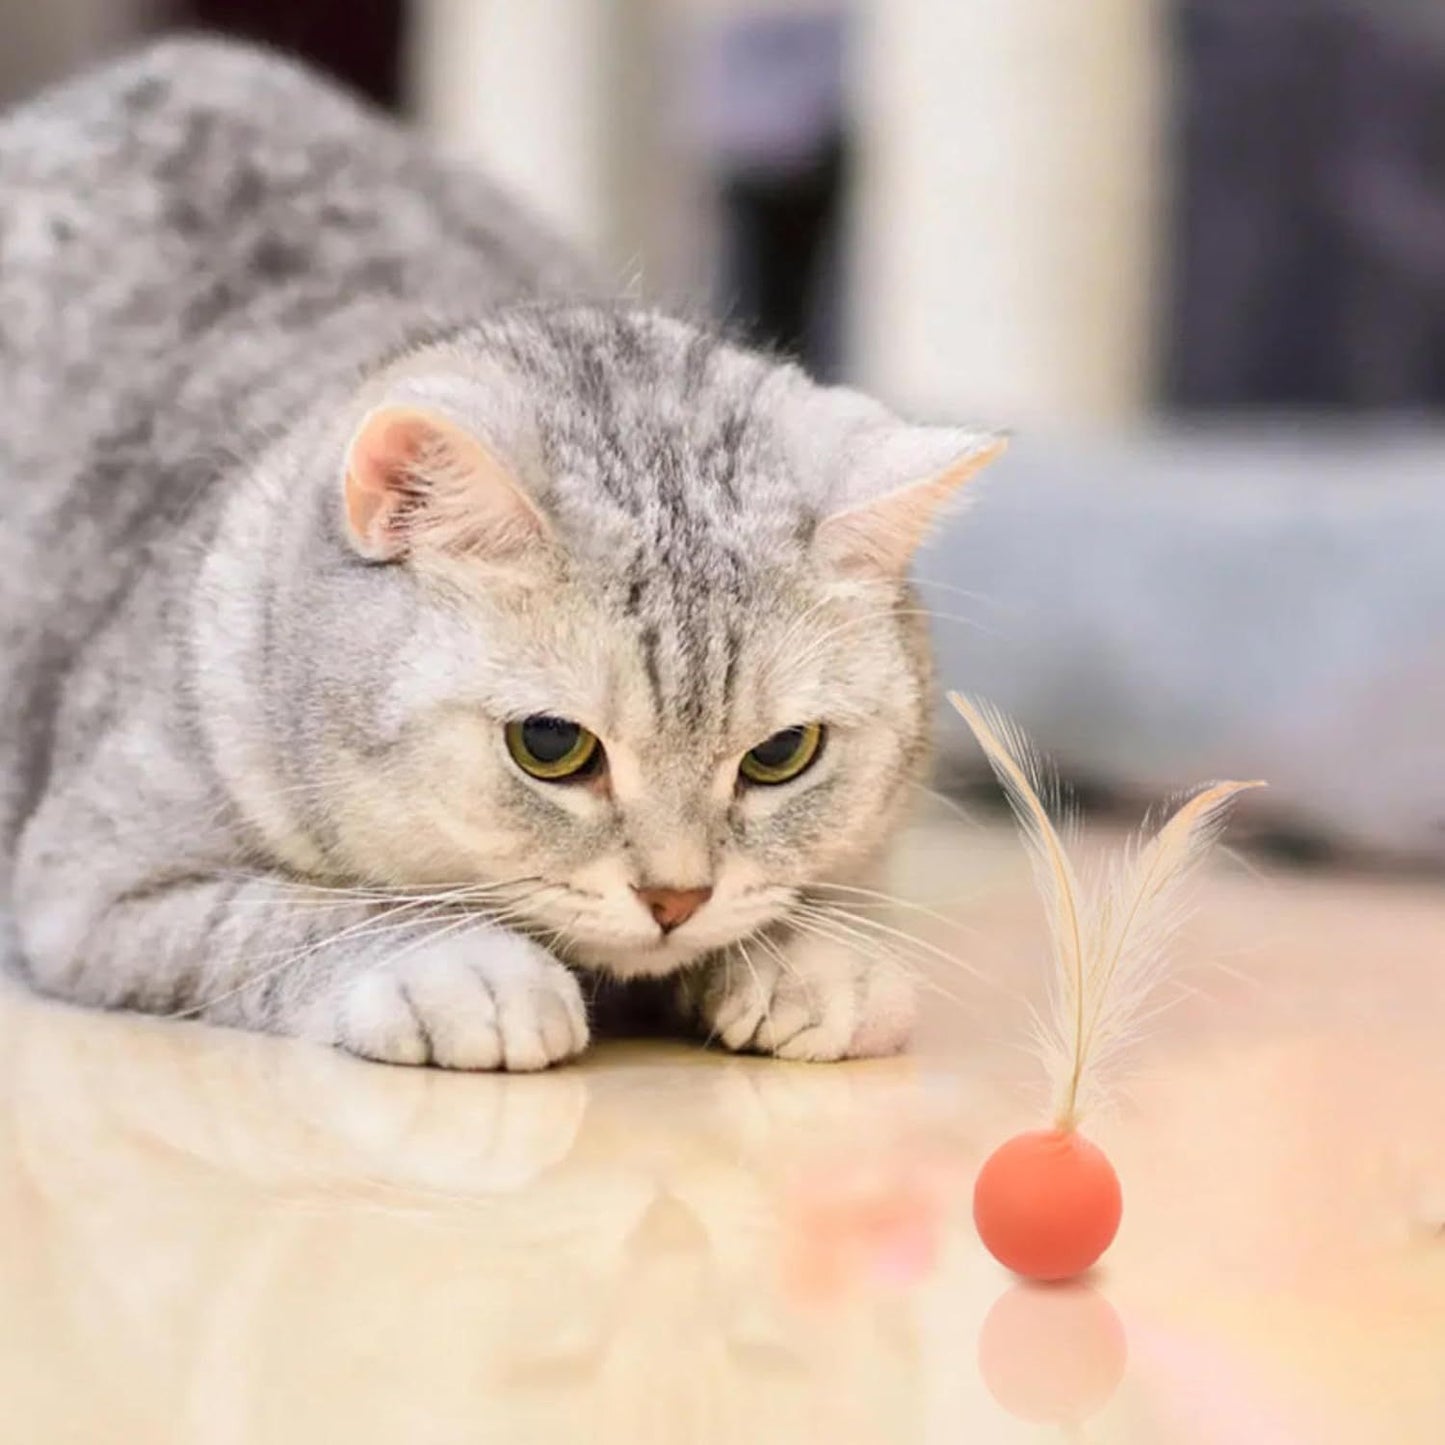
(614, 617)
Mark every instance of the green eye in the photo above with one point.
(784, 756)
(553, 749)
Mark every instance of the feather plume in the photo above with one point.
(1110, 934)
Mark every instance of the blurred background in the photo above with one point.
(1192, 252)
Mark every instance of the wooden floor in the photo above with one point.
(209, 1237)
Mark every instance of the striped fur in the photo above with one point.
(235, 752)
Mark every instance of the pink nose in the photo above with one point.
(672, 906)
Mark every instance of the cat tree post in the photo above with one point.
(1006, 215)
(527, 91)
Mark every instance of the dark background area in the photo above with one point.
(359, 41)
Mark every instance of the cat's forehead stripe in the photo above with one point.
(650, 645)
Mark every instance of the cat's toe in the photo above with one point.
(541, 1020)
(725, 1003)
(825, 1004)
(846, 1036)
(885, 1019)
(739, 1017)
(377, 1021)
(500, 1002)
(795, 1014)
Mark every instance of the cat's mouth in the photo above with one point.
(664, 954)
(667, 954)
(599, 931)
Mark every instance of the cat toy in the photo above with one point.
(1047, 1203)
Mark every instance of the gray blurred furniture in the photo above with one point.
(1209, 602)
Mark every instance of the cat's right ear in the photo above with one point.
(416, 481)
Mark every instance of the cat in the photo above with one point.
(398, 627)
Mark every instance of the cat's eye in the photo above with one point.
(553, 749)
(784, 756)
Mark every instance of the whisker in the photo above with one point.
(881, 954)
(894, 933)
(301, 898)
(389, 921)
(891, 900)
(727, 964)
(877, 616)
(370, 890)
(952, 804)
(763, 998)
(369, 928)
(302, 902)
(790, 969)
(982, 598)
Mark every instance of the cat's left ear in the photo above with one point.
(897, 481)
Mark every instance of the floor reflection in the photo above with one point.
(232, 1238)
(1054, 1354)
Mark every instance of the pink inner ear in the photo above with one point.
(417, 482)
(880, 537)
(382, 482)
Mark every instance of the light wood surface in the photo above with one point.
(212, 1237)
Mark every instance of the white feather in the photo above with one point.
(1109, 940)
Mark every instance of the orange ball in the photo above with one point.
(1047, 1204)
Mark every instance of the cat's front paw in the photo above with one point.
(489, 1001)
(812, 1000)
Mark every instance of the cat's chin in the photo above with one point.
(656, 961)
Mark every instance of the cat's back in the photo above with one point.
(197, 242)
(208, 200)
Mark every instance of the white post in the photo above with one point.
(1007, 207)
(525, 88)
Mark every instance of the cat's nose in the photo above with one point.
(672, 906)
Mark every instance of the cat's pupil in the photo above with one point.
(550, 739)
(780, 749)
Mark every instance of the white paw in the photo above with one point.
(489, 1001)
(818, 1001)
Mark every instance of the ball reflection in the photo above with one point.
(1052, 1354)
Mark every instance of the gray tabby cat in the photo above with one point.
(392, 624)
